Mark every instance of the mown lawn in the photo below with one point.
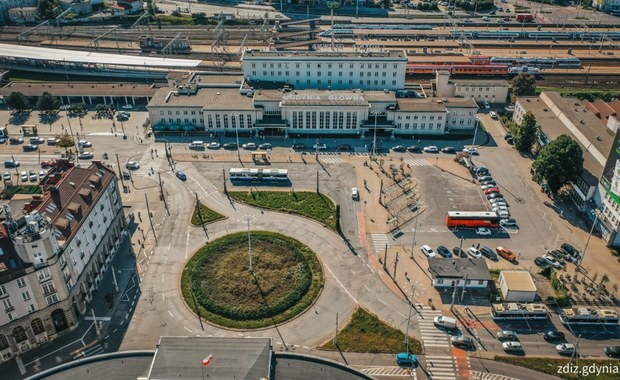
(552, 366)
(208, 215)
(366, 333)
(313, 205)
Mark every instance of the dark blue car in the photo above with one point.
(443, 251)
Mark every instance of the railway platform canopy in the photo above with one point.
(33, 55)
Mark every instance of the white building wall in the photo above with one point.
(419, 123)
(482, 93)
(176, 115)
(337, 73)
(335, 119)
(226, 120)
(460, 119)
(471, 284)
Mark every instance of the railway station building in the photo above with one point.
(481, 90)
(325, 70)
(54, 250)
(289, 112)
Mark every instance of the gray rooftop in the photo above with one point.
(397, 55)
(473, 269)
(206, 98)
(420, 105)
(480, 82)
(233, 358)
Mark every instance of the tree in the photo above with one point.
(559, 162)
(525, 134)
(386, 3)
(47, 102)
(524, 85)
(65, 141)
(18, 101)
(48, 8)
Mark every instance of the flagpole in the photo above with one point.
(202, 367)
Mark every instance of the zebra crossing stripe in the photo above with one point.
(417, 162)
(331, 160)
(379, 241)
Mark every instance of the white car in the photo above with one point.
(489, 186)
(6, 176)
(483, 231)
(565, 348)
(499, 207)
(552, 261)
(24, 176)
(249, 146)
(473, 151)
(512, 346)
(42, 174)
(428, 251)
(431, 149)
(474, 252)
(503, 214)
(493, 115)
(86, 155)
(127, 107)
(85, 144)
(132, 165)
(214, 145)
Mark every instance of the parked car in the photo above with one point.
(507, 335)
(431, 149)
(319, 147)
(444, 322)
(47, 164)
(495, 200)
(463, 341)
(37, 140)
(180, 175)
(127, 107)
(493, 115)
(491, 190)
(249, 146)
(458, 252)
(553, 336)
(126, 174)
(86, 155)
(552, 261)
(265, 146)
(448, 149)
(132, 165)
(30, 147)
(230, 146)
(483, 231)
(85, 144)
(16, 140)
(488, 185)
(52, 141)
(443, 251)
(541, 262)
(42, 174)
(505, 253)
(214, 145)
(500, 206)
(508, 223)
(570, 249)
(558, 255)
(474, 252)
(6, 176)
(11, 164)
(481, 169)
(414, 149)
(428, 251)
(473, 151)
(612, 351)
(566, 349)
(512, 346)
(399, 148)
(24, 176)
(344, 147)
(297, 146)
(32, 176)
(488, 253)
(494, 196)
(484, 178)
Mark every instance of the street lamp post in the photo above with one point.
(250, 246)
(415, 231)
(236, 116)
(585, 248)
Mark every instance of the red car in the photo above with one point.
(491, 190)
(48, 164)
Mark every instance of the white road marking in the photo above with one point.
(169, 312)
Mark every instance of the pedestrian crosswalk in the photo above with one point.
(379, 241)
(440, 367)
(91, 351)
(439, 360)
(431, 335)
(331, 160)
(417, 162)
(389, 371)
(475, 375)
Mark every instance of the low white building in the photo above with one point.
(282, 112)
(79, 7)
(517, 286)
(23, 14)
(5, 5)
(481, 90)
(459, 272)
(327, 70)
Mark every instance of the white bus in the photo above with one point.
(256, 174)
(588, 316)
(519, 311)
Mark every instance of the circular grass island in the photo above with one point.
(286, 279)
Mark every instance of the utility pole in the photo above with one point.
(202, 223)
(250, 246)
(409, 318)
(385, 258)
(224, 176)
(191, 289)
(415, 231)
(150, 217)
(120, 174)
(336, 336)
(585, 248)
(395, 264)
(317, 181)
(161, 193)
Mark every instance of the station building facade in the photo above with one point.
(352, 112)
(327, 70)
(54, 252)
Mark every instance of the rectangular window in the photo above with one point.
(51, 299)
(48, 288)
(21, 282)
(26, 295)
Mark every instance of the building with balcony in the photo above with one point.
(53, 253)
(327, 70)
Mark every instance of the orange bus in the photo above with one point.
(472, 219)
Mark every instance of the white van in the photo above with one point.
(197, 145)
(445, 322)
(355, 194)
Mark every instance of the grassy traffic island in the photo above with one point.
(581, 369)
(312, 205)
(366, 333)
(204, 215)
(287, 277)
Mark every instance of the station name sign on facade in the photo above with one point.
(330, 97)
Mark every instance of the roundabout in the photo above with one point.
(285, 279)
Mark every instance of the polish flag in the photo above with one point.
(206, 361)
